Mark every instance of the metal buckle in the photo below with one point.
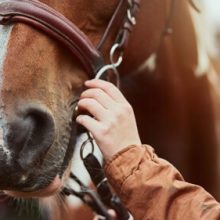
(113, 65)
(89, 140)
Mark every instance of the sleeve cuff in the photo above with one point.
(123, 164)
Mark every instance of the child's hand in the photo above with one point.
(114, 125)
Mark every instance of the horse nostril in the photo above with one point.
(30, 136)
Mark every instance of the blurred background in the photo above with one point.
(211, 16)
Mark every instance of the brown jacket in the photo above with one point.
(152, 189)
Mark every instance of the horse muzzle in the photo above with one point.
(26, 139)
(54, 187)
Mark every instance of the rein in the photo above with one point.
(55, 25)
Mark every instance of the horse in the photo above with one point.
(183, 101)
(162, 75)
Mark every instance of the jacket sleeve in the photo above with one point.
(152, 189)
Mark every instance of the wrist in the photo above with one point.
(110, 154)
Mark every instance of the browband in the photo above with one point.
(48, 20)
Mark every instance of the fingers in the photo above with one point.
(110, 211)
(98, 129)
(107, 87)
(114, 125)
(89, 123)
(100, 96)
(93, 107)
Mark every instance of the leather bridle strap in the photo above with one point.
(127, 23)
(112, 23)
(48, 20)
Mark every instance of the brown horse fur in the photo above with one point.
(39, 72)
(174, 108)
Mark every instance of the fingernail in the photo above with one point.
(78, 119)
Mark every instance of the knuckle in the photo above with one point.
(97, 93)
(85, 102)
(118, 113)
(128, 109)
(109, 87)
(123, 111)
(104, 130)
(92, 93)
(114, 122)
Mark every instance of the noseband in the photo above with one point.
(55, 25)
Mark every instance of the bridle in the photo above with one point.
(55, 25)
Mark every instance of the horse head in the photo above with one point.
(40, 82)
